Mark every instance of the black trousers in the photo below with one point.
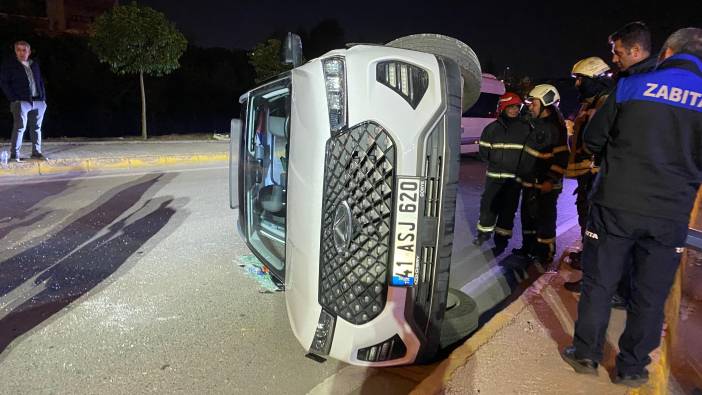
(615, 238)
(498, 206)
(582, 203)
(539, 214)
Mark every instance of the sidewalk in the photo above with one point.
(518, 350)
(91, 156)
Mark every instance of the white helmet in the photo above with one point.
(548, 94)
(592, 67)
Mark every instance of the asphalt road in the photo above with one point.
(131, 284)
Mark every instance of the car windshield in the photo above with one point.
(267, 132)
(485, 107)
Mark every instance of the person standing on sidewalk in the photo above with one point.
(631, 52)
(501, 145)
(593, 82)
(22, 84)
(547, 144)
(648, 133)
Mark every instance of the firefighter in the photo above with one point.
(501, 146)
(542, 182)
(648, 134)
(593, 81)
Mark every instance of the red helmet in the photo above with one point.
(508, 99)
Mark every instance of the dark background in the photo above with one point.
(538, 39)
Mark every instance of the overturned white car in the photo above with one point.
(346, 185)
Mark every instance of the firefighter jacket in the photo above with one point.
(501, 145)
(579, 160)
(649, 134)
(545, 153)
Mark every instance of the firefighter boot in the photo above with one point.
(481, 238)
(526, 251)
(574, 260)
(543, 255)
(501, 242)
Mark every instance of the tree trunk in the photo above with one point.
(143, 105)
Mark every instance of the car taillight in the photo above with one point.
(409, 81)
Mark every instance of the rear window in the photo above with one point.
(485, 107)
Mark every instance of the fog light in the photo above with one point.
(321, 343)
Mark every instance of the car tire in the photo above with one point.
(454, 49)
(461, 318)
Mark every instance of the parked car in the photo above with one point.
(346, 185)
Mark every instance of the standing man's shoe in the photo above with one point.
(582, 365)
(15, 158)
(632, 380)
(39, 157)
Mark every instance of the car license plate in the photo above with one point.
(404, 265)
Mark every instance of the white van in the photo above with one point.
(481, 114)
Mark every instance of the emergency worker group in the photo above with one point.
(634, 147)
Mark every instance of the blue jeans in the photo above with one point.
(26, 115)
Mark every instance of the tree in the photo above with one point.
(135, 39)
(265, 58)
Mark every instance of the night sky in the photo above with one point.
(536, 38)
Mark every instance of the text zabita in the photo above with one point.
(677, 95)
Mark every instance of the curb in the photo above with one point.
(86, 165)
(433, 384)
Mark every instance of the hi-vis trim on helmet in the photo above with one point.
(508, 99)
(590, 67)
(548, 94)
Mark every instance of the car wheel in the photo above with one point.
(460, 319)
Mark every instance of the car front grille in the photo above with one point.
(359, 177)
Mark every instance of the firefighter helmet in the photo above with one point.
(592, 67)
(508, 99)
(548, 94)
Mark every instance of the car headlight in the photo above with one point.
(409, 81)
(335, 82)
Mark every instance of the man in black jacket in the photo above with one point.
(21, 81)
(631, 52)
(631, 49)
(649, 135)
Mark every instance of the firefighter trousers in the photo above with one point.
(582, 203)
(539, 215)
(498, 206)
(614, 239)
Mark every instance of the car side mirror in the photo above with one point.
(292, 50)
